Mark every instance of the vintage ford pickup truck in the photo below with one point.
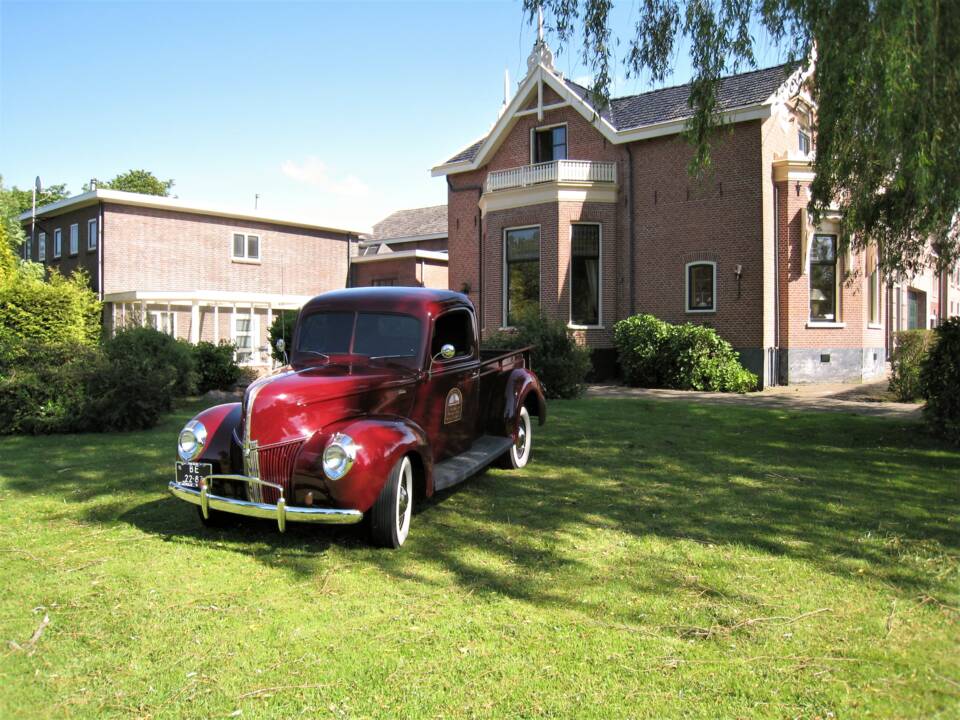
(387, 397)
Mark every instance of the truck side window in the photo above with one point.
(455, 328)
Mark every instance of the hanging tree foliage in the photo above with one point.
(886, 84)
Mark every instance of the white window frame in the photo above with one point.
(570, 323)
(74, 239)
(246, 244)
(42, 246)
(533, 139)
(254, 334)
(157, 315)
(805, 133)
(686, 287)
(28, 249)
(503, 277)
(92, 222)
(58, 243)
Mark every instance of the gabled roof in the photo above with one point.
(412, 223)
(624, 118)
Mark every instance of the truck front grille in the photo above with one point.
(273, 464)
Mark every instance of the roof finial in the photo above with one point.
(540, 24)
(541, 54)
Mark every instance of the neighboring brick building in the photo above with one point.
(407, 248)
(591, 216)
(199, 273)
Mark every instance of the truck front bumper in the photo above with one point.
(281, 512)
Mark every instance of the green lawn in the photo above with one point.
(656, 560)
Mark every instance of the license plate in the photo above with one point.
(190, 473)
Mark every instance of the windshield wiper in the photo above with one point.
(315, 352)
(398, 365)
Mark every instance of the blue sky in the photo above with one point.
(334, 111)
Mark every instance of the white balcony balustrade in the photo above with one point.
(574, 171)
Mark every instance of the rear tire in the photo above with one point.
(391, 514)
(519, 453)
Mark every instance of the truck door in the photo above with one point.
(447, 401)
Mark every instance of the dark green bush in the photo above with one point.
(216, 368)
(909, 350)
(282, 327)
(127, 393)
(560, 363)
(940, 382)
(144, 349)
(654, 353)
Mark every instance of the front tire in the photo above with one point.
(519, 453)
(217, 520)
(391, 514)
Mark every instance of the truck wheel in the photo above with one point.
(391, 513)
(519, 453)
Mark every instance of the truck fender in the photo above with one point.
(520, 386)
(382, 441)
(220, 422)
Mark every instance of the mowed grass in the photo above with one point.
(656, 560)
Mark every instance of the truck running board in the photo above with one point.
(458, 468)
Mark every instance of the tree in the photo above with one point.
(138, 181)
(886, 82)
(11, 231)
(282, 328)
(50, 194)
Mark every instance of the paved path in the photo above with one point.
(860, 399)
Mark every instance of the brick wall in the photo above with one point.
(84, 259)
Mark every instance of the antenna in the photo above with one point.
(256, 200)
(506, 86)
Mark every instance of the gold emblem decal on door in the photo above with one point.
(453, 409)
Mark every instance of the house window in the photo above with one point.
(521, 273)
(915, 310)
(803, 139)
(701, 287)
(384, 282)
(163, 320)
(246, 333)
(57, 243)
(28, 249)
(585, 275)
(875, 296)
(550, 144)
(823, 278)
(74, 239)
(42, 249)
(246, 247)
(92, 234)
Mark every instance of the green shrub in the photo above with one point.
(144, 349)
(282, 327)
(654, 353)
(940, 382)
(127, 393)
(216, 368)
(560, 363)
(909, 350)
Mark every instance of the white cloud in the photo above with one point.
(314, 171)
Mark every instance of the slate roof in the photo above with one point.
(412, 223)
(657, 106)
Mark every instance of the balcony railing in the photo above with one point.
(556, 171)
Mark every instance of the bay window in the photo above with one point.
(521, 273)
(585, 274)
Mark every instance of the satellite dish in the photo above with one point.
(37, 185)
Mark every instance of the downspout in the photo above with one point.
(776, 285)
(100, 233)
(630, 239)
(349, 282)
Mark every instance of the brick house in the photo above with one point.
(590, 216)
(407, 248)
(196, 272)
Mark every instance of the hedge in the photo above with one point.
(940, 382)
(910, 347)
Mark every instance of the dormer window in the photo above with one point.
(550, 144)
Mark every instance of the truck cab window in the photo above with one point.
(454, 328)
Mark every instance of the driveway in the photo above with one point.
(856, 399)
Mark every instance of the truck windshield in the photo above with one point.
(375, 335)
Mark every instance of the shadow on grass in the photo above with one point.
(840, 492)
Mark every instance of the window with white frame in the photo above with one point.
(28, 249)
(521, 296)
(92, 234)
(701, 284)
(246, 336)
(585, 274)
(42, 247)
(74, 238)
(550, 144)
(803, 140)
(823, 278)
(163, 320)
(246, 247)
(57, 243)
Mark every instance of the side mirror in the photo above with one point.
(447, 351)
(282, 349)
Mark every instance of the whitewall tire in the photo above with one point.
(519, 453)
(391, 514)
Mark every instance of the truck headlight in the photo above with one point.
(192, 440)
(339, 455)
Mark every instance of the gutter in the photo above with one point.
(630, 238)
(776, 283)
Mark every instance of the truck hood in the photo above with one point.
(298, 403)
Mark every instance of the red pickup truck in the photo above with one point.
(387, 398)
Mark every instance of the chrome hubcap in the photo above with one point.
(521, 443)
(402, 502)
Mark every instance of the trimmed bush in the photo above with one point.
(216, 368)
(282, 327)
(560, 363)
(145, 349)
(909, 350)
(654, 353)
(940, 382)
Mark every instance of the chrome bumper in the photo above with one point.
(281, 512)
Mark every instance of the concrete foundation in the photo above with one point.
(817, 365)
